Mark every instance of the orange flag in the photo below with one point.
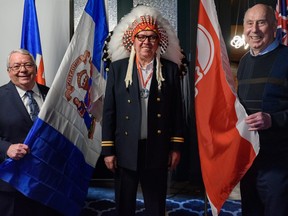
(226, 147)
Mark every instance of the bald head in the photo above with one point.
(268, 10)
(259, 27)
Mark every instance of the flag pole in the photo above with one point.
(194, 5)
(71, 18)
(205, 204)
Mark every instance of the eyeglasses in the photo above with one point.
(17, 67)
(151, 38)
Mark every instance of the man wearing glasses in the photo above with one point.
(21, 100)
(142, 117)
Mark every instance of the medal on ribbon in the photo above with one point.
(144, 92)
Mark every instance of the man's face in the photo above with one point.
(259, 28)
(146, 44)
(22, 71)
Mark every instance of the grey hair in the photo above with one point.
(21, 51)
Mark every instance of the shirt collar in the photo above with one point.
(148, 66)
(35, 89)
(270, 48)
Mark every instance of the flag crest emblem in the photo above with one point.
(205, 54)
(78, 90)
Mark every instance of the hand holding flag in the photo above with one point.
(65, 140)
(226, 147)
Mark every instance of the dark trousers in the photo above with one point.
(16, 204)
(153, 184)
(264, 188)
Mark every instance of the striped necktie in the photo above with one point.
(34, 108)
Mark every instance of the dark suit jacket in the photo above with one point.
(122, 116)
(15, 121)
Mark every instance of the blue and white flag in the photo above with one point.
(30, 39)
(65, 139)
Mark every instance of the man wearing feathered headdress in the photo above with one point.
(142, 116)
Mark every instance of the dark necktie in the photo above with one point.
(34, 108)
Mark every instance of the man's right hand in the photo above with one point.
(111, 162)
(17, 151)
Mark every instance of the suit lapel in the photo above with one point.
(17, 101)
(135, 83)
(154, 83)
(43, 91)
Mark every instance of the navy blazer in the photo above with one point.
(15, 121)
(121, 123)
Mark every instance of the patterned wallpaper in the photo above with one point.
(111, 12)
(167, 7)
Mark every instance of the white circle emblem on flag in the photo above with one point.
(205, 48)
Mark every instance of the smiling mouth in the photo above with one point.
(146, 48)
(24, 77)
(255, 37)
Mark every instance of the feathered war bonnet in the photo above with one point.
(143, 18)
